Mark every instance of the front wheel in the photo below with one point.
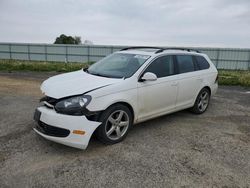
(201, 102)
(116, 122)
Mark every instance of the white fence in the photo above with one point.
(223, 58)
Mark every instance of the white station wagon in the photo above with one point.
(127, 87)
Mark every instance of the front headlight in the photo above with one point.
(73, 105)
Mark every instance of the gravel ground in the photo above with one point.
(177, 150)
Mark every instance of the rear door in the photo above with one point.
(189, 81)
(159, 96)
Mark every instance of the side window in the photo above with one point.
(163, 66)
(202, 63)
(185, 63)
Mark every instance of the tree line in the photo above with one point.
(64, 39)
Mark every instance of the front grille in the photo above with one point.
(51, 130)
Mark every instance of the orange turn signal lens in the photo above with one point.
(79, 132)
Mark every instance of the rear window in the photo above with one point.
(202, 63)
(185, 63)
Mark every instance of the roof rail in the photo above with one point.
(184, 49)
(160, 49)
(142, 47)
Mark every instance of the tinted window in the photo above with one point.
(201, 62)
(185, 63)
(163, 66)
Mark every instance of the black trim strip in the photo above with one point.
(51, 130)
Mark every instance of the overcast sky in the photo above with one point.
(221, 23)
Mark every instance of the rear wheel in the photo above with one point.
(201, 102)
(116, 122)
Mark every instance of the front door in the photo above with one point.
(158, 97)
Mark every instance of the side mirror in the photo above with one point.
(148, 76)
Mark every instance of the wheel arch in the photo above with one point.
(125, 104)
(208, 88)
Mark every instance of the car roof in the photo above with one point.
(155, 51)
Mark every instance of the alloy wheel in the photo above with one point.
(203, 101)
(117, 125)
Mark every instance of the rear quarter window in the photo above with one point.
(201, 63)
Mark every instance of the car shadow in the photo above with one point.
(95, 145)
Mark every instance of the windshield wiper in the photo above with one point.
(98, 74)
(102, 75)
(86, 70)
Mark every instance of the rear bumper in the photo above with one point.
(59, 127)
(214, 89)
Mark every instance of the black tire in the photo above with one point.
(102, 130)
(197, 109)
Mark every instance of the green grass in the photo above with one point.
(39, 66)
(226, 77)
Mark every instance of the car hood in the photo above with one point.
(74, 83)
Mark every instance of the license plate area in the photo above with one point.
(37, 115)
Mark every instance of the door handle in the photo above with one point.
(199, 79)
(174, 84)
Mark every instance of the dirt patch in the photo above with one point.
(16, 86)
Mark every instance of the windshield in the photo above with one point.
(118, 65)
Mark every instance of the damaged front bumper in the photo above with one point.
(74, 131)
